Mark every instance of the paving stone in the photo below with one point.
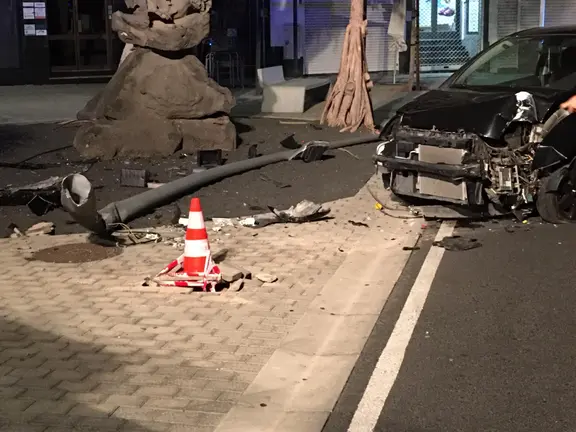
(82, 347)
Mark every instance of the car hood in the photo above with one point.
(487, 114)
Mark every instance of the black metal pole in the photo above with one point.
(295, 35)
(486, 24)
(258, 33)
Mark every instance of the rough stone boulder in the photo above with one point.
(154, 105)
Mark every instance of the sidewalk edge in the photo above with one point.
(299, 386)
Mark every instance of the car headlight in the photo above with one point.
(380, 148)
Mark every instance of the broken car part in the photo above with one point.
(304, 211)
(490, 140)
(79, 200)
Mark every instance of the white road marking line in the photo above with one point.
(390, 361)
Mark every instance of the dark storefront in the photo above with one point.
(54, 41)
(57, 40)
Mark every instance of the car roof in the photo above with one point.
(545, 31)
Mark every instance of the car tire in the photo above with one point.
(547, 202)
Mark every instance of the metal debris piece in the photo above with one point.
(457, 243)
(48, 189)
(304, 211)
(358, 224)
(134, 177)
(314, 151)
(209, 158)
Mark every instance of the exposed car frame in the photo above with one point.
(484, 151)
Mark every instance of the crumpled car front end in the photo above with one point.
(483, 168)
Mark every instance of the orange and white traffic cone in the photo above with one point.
(196, 267)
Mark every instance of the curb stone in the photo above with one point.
(298, 387)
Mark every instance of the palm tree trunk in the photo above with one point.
(348, 105)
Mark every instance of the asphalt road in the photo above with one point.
(493, 348)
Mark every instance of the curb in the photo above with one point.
(298, 387)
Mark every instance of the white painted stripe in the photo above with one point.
(196, 248)
(390, 361)
(196, 220)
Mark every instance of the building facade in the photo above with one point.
(52, 41)
(451, 31)
(65, 40)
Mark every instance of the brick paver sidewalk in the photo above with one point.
(86, 347)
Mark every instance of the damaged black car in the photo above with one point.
(492, 139)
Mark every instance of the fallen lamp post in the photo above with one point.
(78, 195)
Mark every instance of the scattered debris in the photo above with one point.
(358, 224)
(457, 243)
(276, 183)
(221, 222)
(154, 185)
(209, 158)
(79, 200)
(230, 273)
(253, 151)
(134, 177)
(304, 211)
(411, 248)
(41, 228)
(314, 151)
(48, 189)
(237, 285)
(266, 278)
(14, 231)
(40, 206)
(290, 143)
(513, 229)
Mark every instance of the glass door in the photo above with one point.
(80, 36)
(439, 17)
(441, 39)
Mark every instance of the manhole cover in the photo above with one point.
(76, 253)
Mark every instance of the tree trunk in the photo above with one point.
(348, 105)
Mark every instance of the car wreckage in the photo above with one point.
(492, 139)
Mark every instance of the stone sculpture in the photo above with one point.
(161, 99)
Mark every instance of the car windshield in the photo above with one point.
(544, 61)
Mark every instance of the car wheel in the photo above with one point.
(557, 206)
